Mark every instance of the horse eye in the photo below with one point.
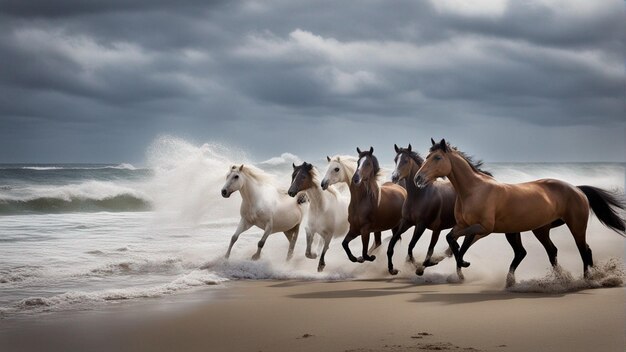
(336, 169)
(437, 158)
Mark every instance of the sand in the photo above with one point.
(363, 316)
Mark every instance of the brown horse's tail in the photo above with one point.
(603, 204)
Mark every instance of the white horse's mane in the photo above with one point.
(316, 180)
(348, 162)
(255, 174)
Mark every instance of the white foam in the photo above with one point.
(83, 299)
(96, 190)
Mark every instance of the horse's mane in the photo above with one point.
(411, 154)
(316, 180)
(255, 174)
(476, 165)
(348, 162)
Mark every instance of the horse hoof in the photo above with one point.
(510, 280)
(410, 260)
(393, 271)
(256, 257)
(311, 255)
(464, 264)
(360, 259)
(371, 258)
(320, 268)
(428, 263)
(419, 271)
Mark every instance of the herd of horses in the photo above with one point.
(446, 190)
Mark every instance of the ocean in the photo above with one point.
(82, 236)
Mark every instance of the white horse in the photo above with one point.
(340, 169)
(264, 206)
(328, 211)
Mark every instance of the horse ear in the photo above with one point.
(409, 148)
(328, 158)
(358, 150)
(241, 167)
(294, 165)
(433, 142)
(444, 145)
(371, 150)
(396, 148)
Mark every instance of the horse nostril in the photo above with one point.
(418, 180)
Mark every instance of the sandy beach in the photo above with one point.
(366, 315)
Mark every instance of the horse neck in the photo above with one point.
(463, 177)
(365, 191)
(316, 196)
(411, 188)
(250, 191)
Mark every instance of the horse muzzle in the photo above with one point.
(420, 181)
(356, 179)
(395, 178)
(225, 193)
(324, 184)
(292, 193)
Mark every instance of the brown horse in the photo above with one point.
(430, 207)
(372, 208)
(485, 205)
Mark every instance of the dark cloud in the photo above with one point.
(98, 80)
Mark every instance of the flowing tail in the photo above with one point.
(603, 204)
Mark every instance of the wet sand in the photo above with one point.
(366, 315)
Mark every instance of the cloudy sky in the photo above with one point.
(98, 81)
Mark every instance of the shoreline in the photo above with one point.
(358, 315)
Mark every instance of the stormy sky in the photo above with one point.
(98, 81)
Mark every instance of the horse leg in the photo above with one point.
(309, 241)
(454, 246)
(378, 240)
(398, 231)
(578, 227)
(365, 239)
(327, 238)
(346, 245)
(515, 240)
(417, 234)
(431, 248)
(543, 235)
(243, 226)
(293, 237)
(268, 231)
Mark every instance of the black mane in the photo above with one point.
(411, 154)
(474, 164)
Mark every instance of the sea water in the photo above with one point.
(75, 236)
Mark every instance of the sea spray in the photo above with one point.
(187, 179)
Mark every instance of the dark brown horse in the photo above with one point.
(485, 205)
(372, 208)
(430, 207)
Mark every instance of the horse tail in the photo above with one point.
(603, 204)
